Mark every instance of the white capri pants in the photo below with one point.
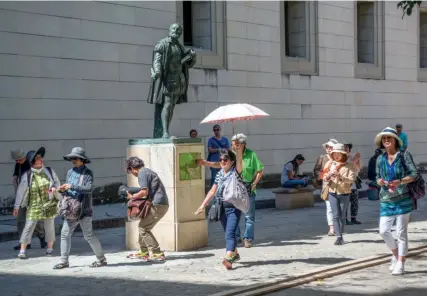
(30, 225)
(329, 215)
(402, 222)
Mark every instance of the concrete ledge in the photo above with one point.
(284, 190)
(293, 198)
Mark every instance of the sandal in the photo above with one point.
(228, 262)
(330, 233)
(61, 265)
(101, 263)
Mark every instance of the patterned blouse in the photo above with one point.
(39, 205)
(397, 202)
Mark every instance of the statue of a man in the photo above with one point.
(169, 79)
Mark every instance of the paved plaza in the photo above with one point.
(287, 242)
(372, 281)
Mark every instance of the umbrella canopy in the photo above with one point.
(234, 112)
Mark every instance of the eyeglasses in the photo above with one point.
(223, 159)
(216, 130)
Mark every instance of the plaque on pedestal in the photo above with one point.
(174, 161)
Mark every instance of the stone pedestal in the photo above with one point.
(174, 161)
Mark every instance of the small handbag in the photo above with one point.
(216, 211)
(325, 193)
(358, 182)
(138, 208)
(70, 208)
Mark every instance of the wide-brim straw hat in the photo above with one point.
(331, 142)
(77, 152)
(338, 148)
(388, 131)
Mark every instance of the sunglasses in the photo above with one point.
(216, 130)
(224, 159)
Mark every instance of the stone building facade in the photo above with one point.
(77, 74)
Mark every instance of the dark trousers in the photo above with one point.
(354, 204)
(230, 221)
(339, 205)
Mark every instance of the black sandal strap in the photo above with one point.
(99, 263)
(61, 265)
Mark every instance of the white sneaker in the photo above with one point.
(393, 263)
(399, 269)
(22, 255)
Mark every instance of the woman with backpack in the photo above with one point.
(37, 191)
(290, 172)
(395, 170)
(229, 214)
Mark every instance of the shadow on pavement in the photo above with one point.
(321, 261)
(379, 241)
(169, 258)
(35, 285)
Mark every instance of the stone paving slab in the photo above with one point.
(287, 242)
(372, 281)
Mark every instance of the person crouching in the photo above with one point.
(151, 187)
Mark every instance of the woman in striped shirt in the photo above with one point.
(230, 164)
(395, 169)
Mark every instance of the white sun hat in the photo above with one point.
(339, 148)
(331, 142)
(388, 131)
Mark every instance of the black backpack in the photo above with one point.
(417, 188)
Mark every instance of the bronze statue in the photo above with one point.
(169, 79)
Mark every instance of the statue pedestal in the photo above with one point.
(174, 161)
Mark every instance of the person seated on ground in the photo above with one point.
(290, 177)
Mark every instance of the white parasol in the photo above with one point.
(234, 112)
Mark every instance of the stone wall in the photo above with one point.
(77, 74)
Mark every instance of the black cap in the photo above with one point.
(399, 125)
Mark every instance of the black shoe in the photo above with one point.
(354, 221)
(348, 222)
(43, 242)
(18, 247)
(339, 241)
(239, 241)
